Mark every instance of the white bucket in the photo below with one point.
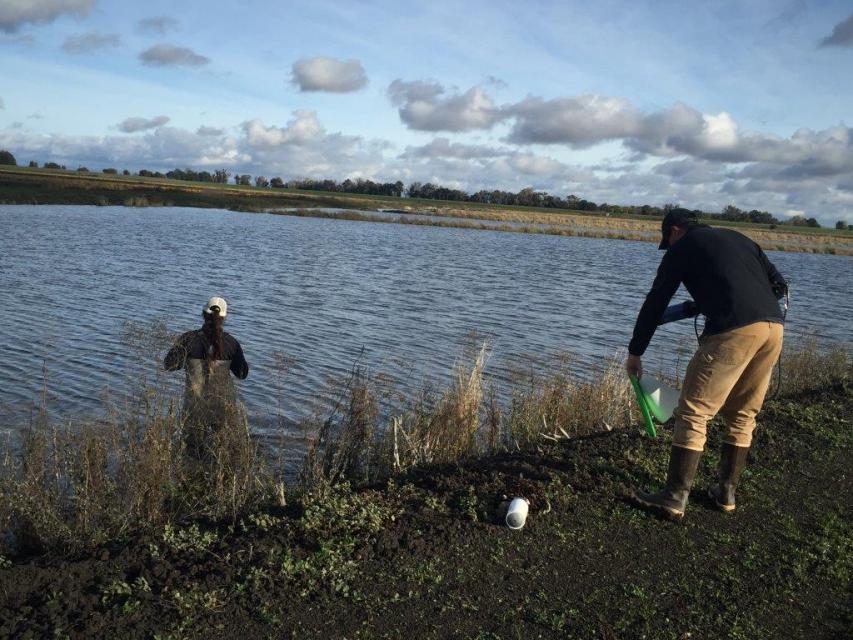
(661, 399)
(516, 515)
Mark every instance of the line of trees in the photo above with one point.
(527, 197)
(366, 187)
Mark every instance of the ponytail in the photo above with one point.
(214, 333)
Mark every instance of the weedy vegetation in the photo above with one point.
(70, 487)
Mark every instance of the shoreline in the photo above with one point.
(427, 554)
(38, 186)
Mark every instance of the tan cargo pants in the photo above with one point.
(729, 374)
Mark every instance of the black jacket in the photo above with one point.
(726, 273)
(194, 345)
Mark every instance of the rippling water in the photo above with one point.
(401, 298)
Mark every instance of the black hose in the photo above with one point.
(779, 362)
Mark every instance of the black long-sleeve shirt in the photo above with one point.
(726, 273)
(194, 345)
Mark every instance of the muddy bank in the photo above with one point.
(426, 555)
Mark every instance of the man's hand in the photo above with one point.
(634, 366)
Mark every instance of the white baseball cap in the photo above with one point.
(216, 303)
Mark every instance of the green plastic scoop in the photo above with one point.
(644, 408)
(656, 400)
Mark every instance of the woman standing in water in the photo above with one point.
(208, 356)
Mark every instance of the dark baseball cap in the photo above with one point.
(677, 217)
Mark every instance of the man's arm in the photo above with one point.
(663, 288)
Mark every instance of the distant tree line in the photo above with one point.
(527, 197)
(366, 187)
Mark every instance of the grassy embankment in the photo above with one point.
(45, 186)
(397, 531)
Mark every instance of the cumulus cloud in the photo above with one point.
(209, 131)
(534, 165)
(586, 120)
(690, 171)
(132, 125)
(443, 148)
(842, 35)
(579, 122)
(425, 106)
(161, 149)
(303, 148)
(158, 25)
(170, 55)
(679, 131)
(92, 41)
(303, 128)
(328, 74)
(16, 13)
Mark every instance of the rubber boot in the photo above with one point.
(732, 463)
(671, 501)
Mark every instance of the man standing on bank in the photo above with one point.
(737, 289)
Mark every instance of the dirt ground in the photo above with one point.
(427, 555)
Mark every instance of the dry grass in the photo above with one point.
(557, 404)
(806, 366)
(464, 420)
(71, 486)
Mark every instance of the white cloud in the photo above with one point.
(158, 25)
(16, 13)
(443, 148)
(209, 131)
(690, 171)
(87, 42)
(303, 128)
(132, 125)
(170, 55)
(678, 131)
(161, 149)
(579, 122)
(719, 132)
(328, 74)
(425, 107)
(534, 165)
(842, 35)
(303, 148)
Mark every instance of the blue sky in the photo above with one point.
(704, 104)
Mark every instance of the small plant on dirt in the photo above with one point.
(194, 603)
(557, 495)
(338, 520)
(435, 503)
(341, 512)
(262, 521)
(428, 573)
(196, 599)
(469, 504)
(189, 539)
(5, 563)
(115, 592)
